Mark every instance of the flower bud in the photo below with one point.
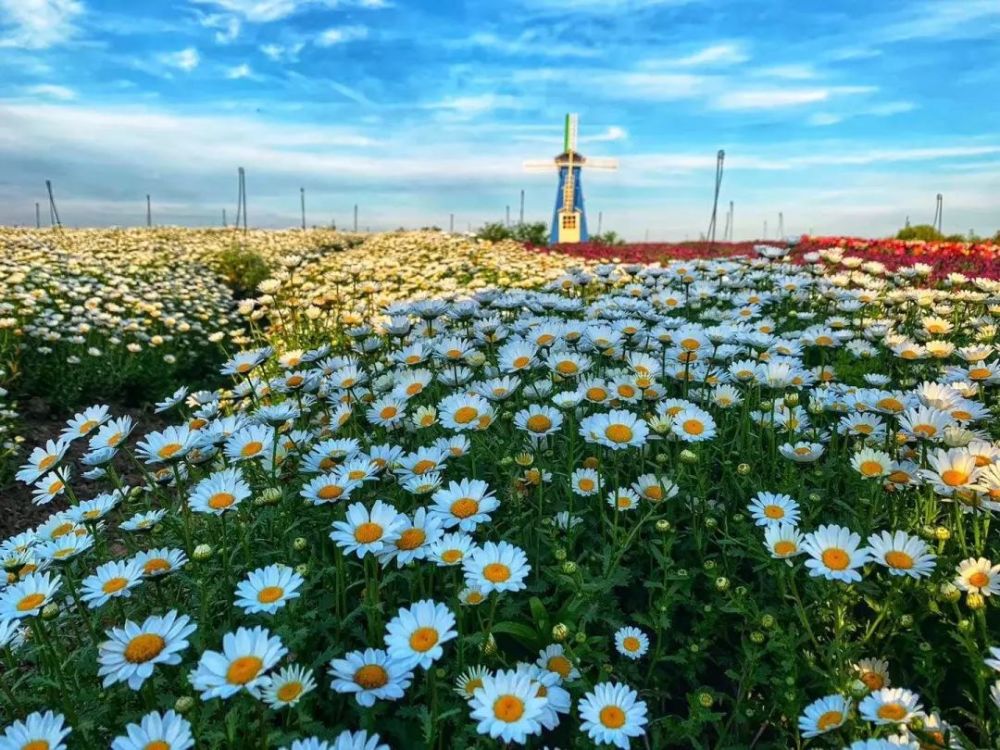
(721, 583)
(965, 625)
(50, 611)
(580, 637)
(688, 456)
(663, 526)
(490, 646)
(906, 621)
(559, 554)
(709, 564)
(942, 533)
(858, 689)
(743, 469)
(975, 601)
(950, 592)
(302, 569)
(560, 632)
(768, 621)
(300, 543)
(202, 552)
(757, 637)
(591, 462)
(269, 496)
(569, 567)
(711, 522)
(184, 704)
(705, 699)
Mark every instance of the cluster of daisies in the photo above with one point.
(397, 459)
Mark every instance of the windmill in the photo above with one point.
(569, 220)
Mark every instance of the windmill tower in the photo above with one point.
(569, 220)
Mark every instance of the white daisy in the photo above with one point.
(247, 655)
(131, 652)
(612, 714)
(416, 634)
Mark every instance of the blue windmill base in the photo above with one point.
(577, 205)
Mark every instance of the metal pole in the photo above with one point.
(355, 217)
(732, 221)
(149, 212)
(38, 216)
(243, 191)
(600, 220)
(508, 216)
(224, 222)
(720, 159)
(302, 196)
(781, 225)
(53, 211)
(451, 224)
(521, 219)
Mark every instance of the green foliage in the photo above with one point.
(536, 233)
(610, 237)
(242, 270)
(924, 232)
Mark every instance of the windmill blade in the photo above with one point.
(598, 163)
(539, 166)
(572, 128)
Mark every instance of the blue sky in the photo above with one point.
(846, 116)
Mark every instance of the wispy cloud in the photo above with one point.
(477, 105)
(778, 98)
(282, 52)
(51, 91)
(239, 71)
(264, 11)
(341, 35)
(227, 27)
(716, 54)
(612, 133)
(186, 59)
(38, 24)
(944, 19)
(530, 42)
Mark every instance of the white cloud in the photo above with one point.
(613, 133)
(528, 43)
(51, 91)
(264, 11)
(796, 72)
(823, 119)
(282, 52)
(227, 27)
(341, 35)
(775, 98)
(649, 86)
(717, 54)
(945, 19)
(239, 71)
(476, 105)
(186, 59)
(38, 24)
(891, 108)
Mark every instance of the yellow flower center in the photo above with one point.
(829, 720)
(329, 492)
(221, 500)
(424, 466)
(596, 394)
(252, 448)
(873, 680)
(464, 507)
(36, 745)
(612, 717)
(979, 579)
(289, 691)
(114, 585)
(618, 433)
(586, 484)
(521, 362)
(270, 594)
(46, 463)
(508, 708)
(371, 677)
(388, 412)
(870, 468)
(156, 565)
(30, 602)
(367, 532)
(979, 373)
(243, 669)
(423, 639)
(897, 559)
(954, 477)
(451, 556)
(783, 548)
(631, 643)
(539, 423)
(466, 414)
(169, 450)
(157, 745)
(836, 559)
(560, 665)
(411, 539)
(144, 647)
(891, 711)
(774, 511)
(693, 427)
(87, 426)
(496, 572)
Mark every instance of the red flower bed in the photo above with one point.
(970, 259)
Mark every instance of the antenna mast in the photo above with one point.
(302, 196)
(939, 212)
(53, 211)
(149, 212)
(241, 201)
(719, 162)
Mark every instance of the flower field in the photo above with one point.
(319, 491)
